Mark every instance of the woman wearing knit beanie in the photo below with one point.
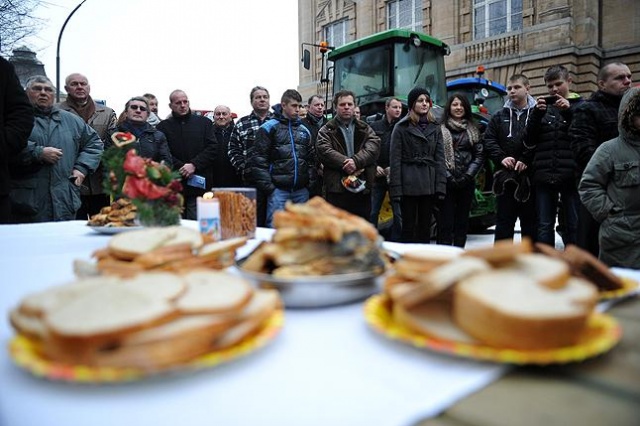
(417, 170)
(463, 159)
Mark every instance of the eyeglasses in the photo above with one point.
(138, 107)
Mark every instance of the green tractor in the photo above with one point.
(388, 65)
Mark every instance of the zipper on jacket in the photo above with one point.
(295, 158)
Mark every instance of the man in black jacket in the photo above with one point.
(383, 128)
(16, 122)
(225, 175)
(555, 170)
(314, 120)
(503, 143)
(193, 147)
(596, 121)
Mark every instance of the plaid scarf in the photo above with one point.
(457, 126)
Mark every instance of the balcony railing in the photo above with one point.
(493, 49)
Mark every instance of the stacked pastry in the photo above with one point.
(316, 238)
(121, 213)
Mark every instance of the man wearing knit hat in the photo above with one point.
(348, 150)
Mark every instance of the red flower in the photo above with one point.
(135, 187)
(134, 164)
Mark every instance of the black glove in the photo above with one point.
(452, 182)
(463, 181)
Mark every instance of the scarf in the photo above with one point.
(85, 111)
(457, 126)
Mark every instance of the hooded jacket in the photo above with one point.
(548, 136)
(283, 155)
(503, 137)
(610, 186)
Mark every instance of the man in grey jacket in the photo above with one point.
(103, 120)
(62, 151)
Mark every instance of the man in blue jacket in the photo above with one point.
(283, 164)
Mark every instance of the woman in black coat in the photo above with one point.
(463, 158)
(417, 175)
(150, 143)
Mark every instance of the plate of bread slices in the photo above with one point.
(173, 248)
(503, 304)
(319, 255)
(110, 329)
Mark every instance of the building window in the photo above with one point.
(336, 33)
(405, 14)
(492, 17)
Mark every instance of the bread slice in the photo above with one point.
(129, 245)
(38, 304)
(31, 326)
(107, 311)
(440, 279)
(503, 251)
(585, 265)
(508, 309)
(262, 305)
(549, 271)
(415, 263)
(432, 319)
(161, 285)
(214, 292)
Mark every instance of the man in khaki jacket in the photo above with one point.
(103, 120)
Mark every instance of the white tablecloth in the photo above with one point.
(325, 368)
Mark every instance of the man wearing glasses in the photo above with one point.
(103, 120)
(46, 176)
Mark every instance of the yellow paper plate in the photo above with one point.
(629, 286)
(602, 333)
(25, 353)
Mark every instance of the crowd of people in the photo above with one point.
(554, 153)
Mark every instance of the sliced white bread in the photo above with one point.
(442, 277)
(162, 285)
(414, 263)
(432, 319)
(221, 248)
(107, 311)
(30, 326)
(262, 305)
(508, 309)
(37, 304)
(214, 292)
(129, 245)
(549, 271)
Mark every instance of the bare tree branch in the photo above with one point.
(17, 22)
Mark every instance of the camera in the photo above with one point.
(550, 100)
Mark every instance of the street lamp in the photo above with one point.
(58, 51)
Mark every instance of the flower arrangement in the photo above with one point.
(152, 187)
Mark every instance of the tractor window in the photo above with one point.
(419, 66)
(365, 73)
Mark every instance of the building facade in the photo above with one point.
(505, 36)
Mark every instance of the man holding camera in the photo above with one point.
(555, 171)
